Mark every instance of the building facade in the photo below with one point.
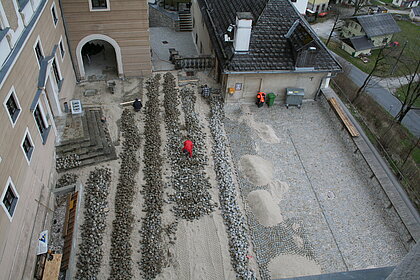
(361, 34)
(261, 50)
(36, 80)
(120, 27)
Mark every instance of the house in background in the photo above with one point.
(405, 3)
(317, 6)
(36, 81)
(361, 34)
(269, 47)
(415, 14)
(300, 5)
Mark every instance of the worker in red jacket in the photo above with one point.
(188, 147)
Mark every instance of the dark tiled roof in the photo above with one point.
(360, 43)
(270, 49)
(416, 11)
(378, 24)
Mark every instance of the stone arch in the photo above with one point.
(105, 38)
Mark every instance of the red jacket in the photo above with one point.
(188, 145)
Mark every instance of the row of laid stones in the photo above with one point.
(95, 212)
(122, 226)
(268, 242)
(151, 229)
(233, 219)
(192, 198)
(67, 162)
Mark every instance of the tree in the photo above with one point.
(409, 93)
(358, 5)
(336, 20)
(381, 56)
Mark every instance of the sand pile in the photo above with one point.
(257, 170)
(264, 208)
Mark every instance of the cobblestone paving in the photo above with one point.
(343, 220)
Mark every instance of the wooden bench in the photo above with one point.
(343, 117)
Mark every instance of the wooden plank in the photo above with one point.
(348, 124)
(68, 238)
(52, 267)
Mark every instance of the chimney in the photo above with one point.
(242, 32)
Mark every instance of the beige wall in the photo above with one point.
(126, 22)
(275, 83)
(201, 30)
(9, 9)
(34, 178)
(378, 41)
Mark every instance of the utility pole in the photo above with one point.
(398, 58)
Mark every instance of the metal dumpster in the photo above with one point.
(294, 97)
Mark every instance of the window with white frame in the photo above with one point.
(54, 14)
(57, 74)
(41, 122)
(27, 146)
(9, 199)
(11, 103)
(38, 52)
(62, 49)
(99, 5)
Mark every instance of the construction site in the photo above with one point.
(270, 192)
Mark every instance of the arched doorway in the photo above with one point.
(99, 55)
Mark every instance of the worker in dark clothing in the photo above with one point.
(205, 91)
(188, 148)
(137, 105)
(260, 99)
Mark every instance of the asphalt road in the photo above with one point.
(384, 97)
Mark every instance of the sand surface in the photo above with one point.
(265, 209)
(286, 266)
(256, 169)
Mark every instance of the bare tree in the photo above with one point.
(381, 56)
(410, 87)
(358, 5)
(336, 20)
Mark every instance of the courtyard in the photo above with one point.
(284, 183)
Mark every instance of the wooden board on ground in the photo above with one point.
(347, 123)
(52, 267)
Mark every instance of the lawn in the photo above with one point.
(401, 92)
(410, 33)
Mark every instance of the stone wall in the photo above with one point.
(159, 17)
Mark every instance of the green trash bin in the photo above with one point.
(270, 99)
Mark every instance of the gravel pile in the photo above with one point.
(151, 230)
(191, 185)
(121, 248)
(234, 221)
(67, 162)
(95, 201)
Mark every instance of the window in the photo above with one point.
(62, 50)
(9, 199)
(27, 146)
(12, 106)
(41, 123)
(38, 52)
(99, 5)
(54, 14)
(56, 73)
